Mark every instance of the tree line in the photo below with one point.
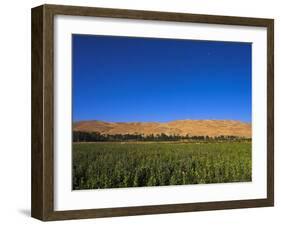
(79, 136)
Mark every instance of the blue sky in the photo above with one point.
(125, 79)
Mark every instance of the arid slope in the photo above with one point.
(179, 127)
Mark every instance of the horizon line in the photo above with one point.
(87, 120)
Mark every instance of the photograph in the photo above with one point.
(137, 112)
(150, 111)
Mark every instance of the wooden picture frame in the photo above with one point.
(42, 203)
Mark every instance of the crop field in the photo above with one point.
(138, 164)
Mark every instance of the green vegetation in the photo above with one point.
(79, 136)
(136, 164)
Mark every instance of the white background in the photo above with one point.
(15, 112)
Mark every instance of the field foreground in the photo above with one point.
(116, 165)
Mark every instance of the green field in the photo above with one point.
(128, 164)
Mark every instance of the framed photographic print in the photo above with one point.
(141, 112)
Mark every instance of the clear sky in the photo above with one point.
(125, 79)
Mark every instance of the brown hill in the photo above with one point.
(178, 127)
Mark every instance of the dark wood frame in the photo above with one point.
(42, 203)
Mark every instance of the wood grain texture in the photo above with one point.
(37, 114)
(157, 209)
(270, 111)
(42, 113)
(156, 15)
(43, 106)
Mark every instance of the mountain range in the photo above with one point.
(210, 128)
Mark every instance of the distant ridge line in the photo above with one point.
(177, 127)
